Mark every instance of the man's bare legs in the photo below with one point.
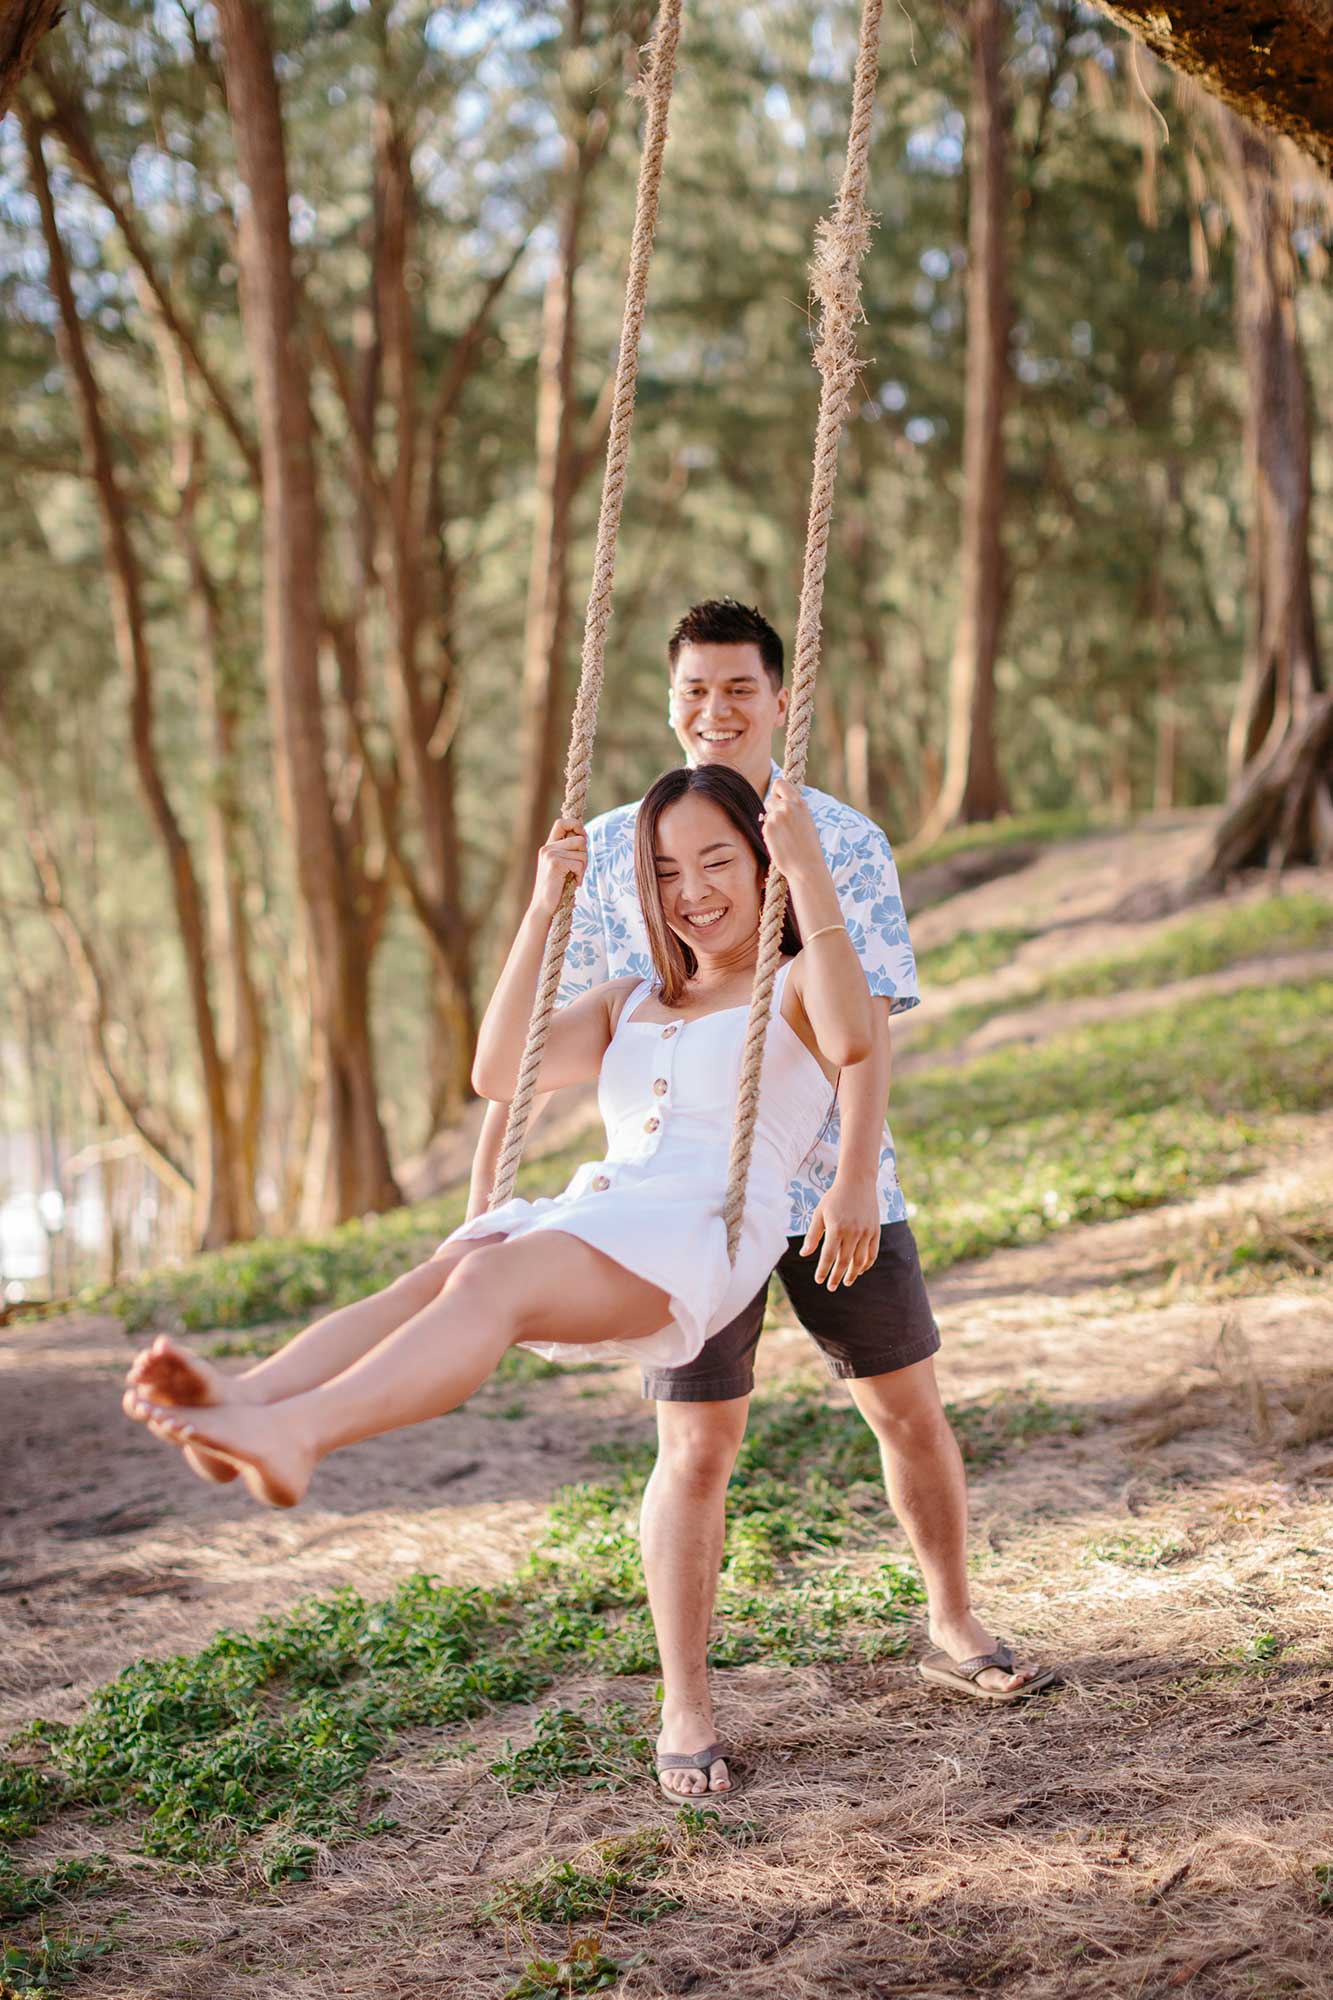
(548, 1287)
(927, 1488)
(684, 1513)
(683, 1527)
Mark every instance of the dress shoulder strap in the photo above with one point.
(630, 1002)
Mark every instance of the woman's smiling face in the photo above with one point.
(707, 878)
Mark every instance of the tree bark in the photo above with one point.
(217, 1214)
(122, 1102)
(1282, 682)
(23, 24)
(358, 1176)
(242, 1033)
(72, 128)
(424, 698)
(972, 788)
(1273, 63)
(357, 1173)
(560, 468)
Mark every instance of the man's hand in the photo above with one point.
(845, 1231)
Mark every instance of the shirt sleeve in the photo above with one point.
(865, 876)
(586, 962)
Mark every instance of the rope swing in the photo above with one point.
(654, 86)
(841, 242)
(840, 246)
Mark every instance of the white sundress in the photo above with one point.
(667, 1095)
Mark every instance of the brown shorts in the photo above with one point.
(880, 1323)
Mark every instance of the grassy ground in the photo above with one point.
(1090, 1125)
(442, 1788)
(1210, 942)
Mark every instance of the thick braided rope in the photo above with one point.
(840, 245)
(654, 86)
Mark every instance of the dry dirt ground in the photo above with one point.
(1153, 1827)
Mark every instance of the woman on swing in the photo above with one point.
(631, 1259)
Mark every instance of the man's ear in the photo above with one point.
(784, 696)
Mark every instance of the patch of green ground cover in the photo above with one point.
(615, 1872)
(566, 1894)
(603, 1753)
(24, 1895)
(268, 1736)
(1013, 829)
(1104, 1120)
(1136, 1551)
(258, 1748)
(969, 955)
(47, 1966)
(585, 1968)
(1207, 943)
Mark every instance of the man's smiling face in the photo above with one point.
(725, 709)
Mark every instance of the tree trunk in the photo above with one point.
(1273, 63)
(242, 1033)
(217, 1216)
(358, 1176)
(560, 468)
(425, 700)
(972, 788)
(23, 23)
(121, 1102)
(1283, 681)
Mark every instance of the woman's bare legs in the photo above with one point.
(167, 1374)
(546, 1286)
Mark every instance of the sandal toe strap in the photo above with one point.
(1001, 1657)
(691, 1760)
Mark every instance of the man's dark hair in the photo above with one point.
(721, 621)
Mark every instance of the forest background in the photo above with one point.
(300, 487)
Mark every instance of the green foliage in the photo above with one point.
(584, 1969)
(1108, 1119)
(615, 1873)
(1010, 830)
(1262, 1649)
(1133, 1551)
(1198, 945)
(47, 1966)
(564, 1894)
(1206, 943)
(602, 1753)
(969, 955)
(23, 1895)
(267, 1737)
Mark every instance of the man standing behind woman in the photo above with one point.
(851, 1268)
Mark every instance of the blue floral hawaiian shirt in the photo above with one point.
(608, 941)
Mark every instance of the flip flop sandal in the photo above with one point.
(964, 1675)
(692, 1760)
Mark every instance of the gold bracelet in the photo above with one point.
(823, 932)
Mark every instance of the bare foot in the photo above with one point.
(685, 1731)
(275, 1464)
(966, 1637)
(166, 1373)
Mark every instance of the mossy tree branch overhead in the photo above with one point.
(1273, 63)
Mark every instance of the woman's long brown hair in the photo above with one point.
(673, 961)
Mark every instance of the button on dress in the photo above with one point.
(667, 1095)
